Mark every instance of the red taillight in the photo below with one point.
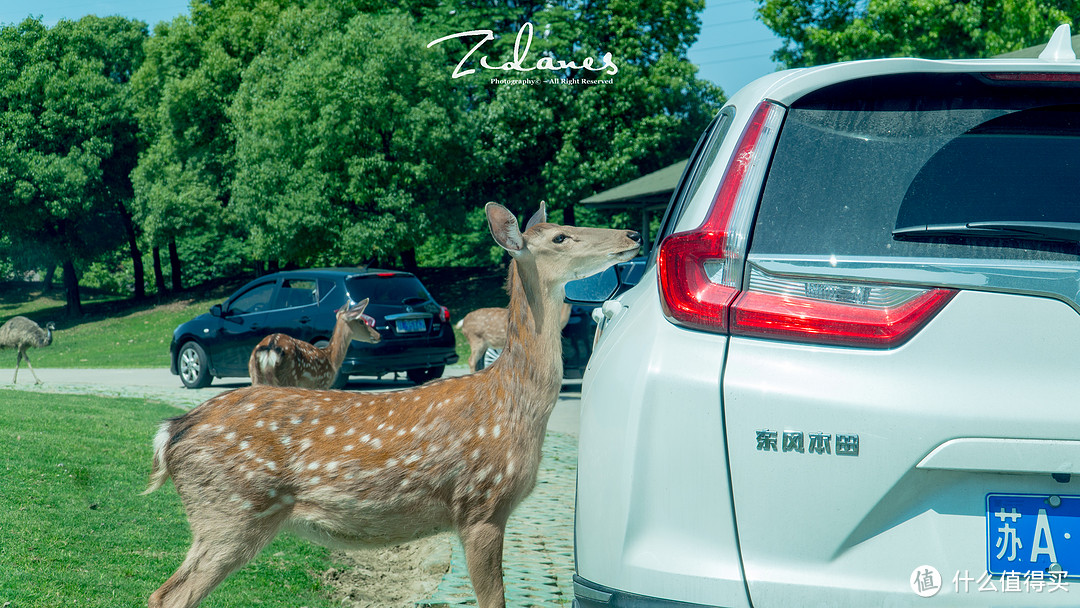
(444, 312)
(370, 321)
(1034, 76)
(822, 322)
(700, 270)
(701, 273)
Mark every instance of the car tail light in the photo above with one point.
(444, 313)
(700, 271)
(825, 312)
(1034, 76)
(369, 320)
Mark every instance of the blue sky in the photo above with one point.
(733, 49)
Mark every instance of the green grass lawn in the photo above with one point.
(75, 531)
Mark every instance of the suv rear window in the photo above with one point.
(926, 155)
(394, 289)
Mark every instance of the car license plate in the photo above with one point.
(405, 326)
(1033, 533)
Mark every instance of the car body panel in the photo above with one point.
(710, 467)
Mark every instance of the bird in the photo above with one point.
(21, 333)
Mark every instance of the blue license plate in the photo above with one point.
(405, 326)
(1033, 533)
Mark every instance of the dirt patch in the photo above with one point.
(390, 577)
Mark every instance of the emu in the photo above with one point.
(21, 333)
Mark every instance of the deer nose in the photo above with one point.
(633, 236)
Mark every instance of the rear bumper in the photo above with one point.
(588, 594)
(385, 360)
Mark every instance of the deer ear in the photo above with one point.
(356, 310)
(537, 218)
(504, 228)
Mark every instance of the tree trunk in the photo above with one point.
(159, 275)
(71, 289)
(50, 275)
(139, 271)
(174, 265)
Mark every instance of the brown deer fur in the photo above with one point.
(354, 469)
(280, 360)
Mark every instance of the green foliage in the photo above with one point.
(67, 138)
(824, 31)
(344, 149)
(74, 529)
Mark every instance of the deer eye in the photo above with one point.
(559, 238)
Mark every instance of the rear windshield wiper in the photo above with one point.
(1035, 231)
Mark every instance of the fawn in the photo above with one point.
(280, 360)
(355, 469)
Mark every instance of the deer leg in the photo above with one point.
(483, 544)
(211, 559)
(476, 352)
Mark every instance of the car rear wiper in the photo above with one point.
(1036, 231)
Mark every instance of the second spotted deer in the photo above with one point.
(355, 469)
(280, 360)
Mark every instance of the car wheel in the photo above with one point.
(193, 365)
(490, 355)
(420, 376)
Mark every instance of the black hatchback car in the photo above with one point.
(416, 334)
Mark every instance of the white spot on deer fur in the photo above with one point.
(392, 462)
(273, 426)
(380, 427)
(481, 431)
(314, 480)
(259, 424)
(475, 454)
(498, 478)
(347, 448)
(272, 493)
(250, 475)
(495, 432)
(350, 432)
(390, 413)
(482, 475)
(305, 444)
(365, 438)
(509, 467)
(331, 466)
(295, 420)
(401, 432)
(286, 440)
(330, 430)
(314, 421)
(231, 436)
(270, 464)
(327, 399)
(412, 458)
(377, 443)
(313, 466)
(244, 445)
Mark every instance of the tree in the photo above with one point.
(346, 148)
(67, 139)
(825, 31)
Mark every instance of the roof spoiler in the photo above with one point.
(1060, 46)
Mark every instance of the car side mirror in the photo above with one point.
(215, 311)
(595, 290)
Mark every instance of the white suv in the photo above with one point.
(850, 375)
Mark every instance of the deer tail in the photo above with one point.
(160, 470)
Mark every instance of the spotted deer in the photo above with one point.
(356, 469)
(280, 360)
(484, 328)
